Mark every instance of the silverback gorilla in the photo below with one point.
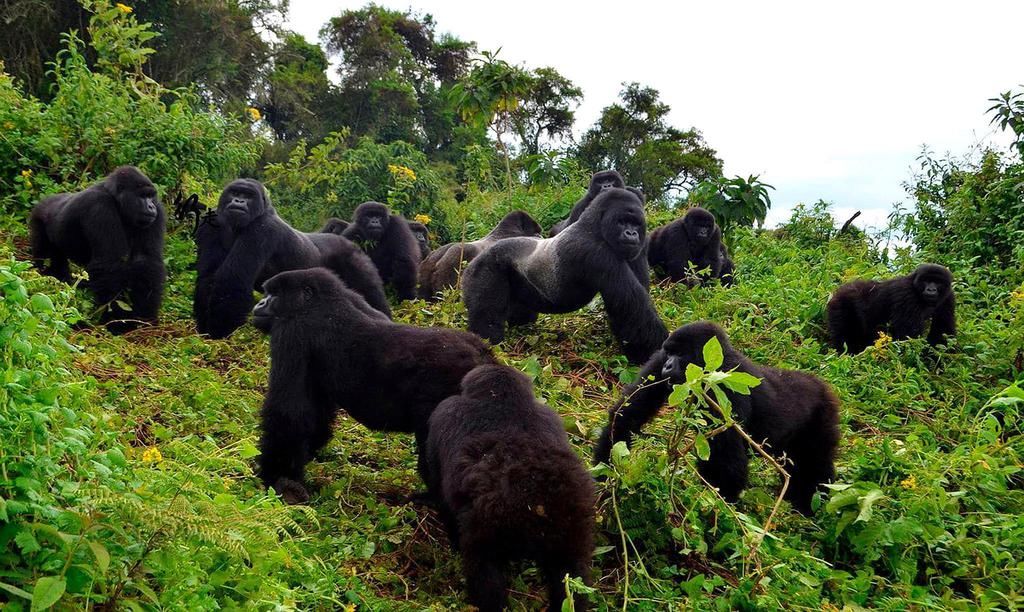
(605, 179)
(796, 413)
(510, 487)
(246, 243)
(328, 351)
(519, 277)
(440, 270)
(115, 230)
(689, 249)
(902, 306)
(389, 242)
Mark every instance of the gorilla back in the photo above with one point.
(520, 277)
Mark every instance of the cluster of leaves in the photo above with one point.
(735, 202)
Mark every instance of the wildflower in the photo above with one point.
(401, 172)
(8, 125)
(124, 8)
(1017, 295)
(152, 455)
(910, 483)
(254, 113)
(350, 607)
(421, 218)
(883, 341)
(26, 173)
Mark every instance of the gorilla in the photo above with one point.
(389, 242)
(510, 487)
(330, 350)
(422, 235)
(796, 413)
(115, 230)
(694, 240)
(902, 306)
(245, 243)
(728, 274)
(441, 269)
(605, 179)
(335, 225)
(519, 277)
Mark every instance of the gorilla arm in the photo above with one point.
(631, 315)
(232, 286)
(943, 321)
(639, 404)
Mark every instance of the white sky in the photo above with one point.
(822, 99)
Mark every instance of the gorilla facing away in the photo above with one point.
(694, 241)
(440, 270)
(330, 351)
(510, 487)
(903, 306)
(246, 243)
(796, 413)
(389, 242)
(605, 179)
(335, 225)
(422, 236)
(115, 230)
(519, 277)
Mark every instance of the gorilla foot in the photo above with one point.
(291, 491)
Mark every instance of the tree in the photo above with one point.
(634, 138)
(547, 110)
(298, 99)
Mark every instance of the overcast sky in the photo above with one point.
(822, 99)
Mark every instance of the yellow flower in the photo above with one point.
(909, 483)
(26, 173)
(253, 113)
(401, 172)
(350, 607)
(421, 218)
(1017, 295)
(883, 340)
(8, 125)
(152, 455)
(124, 8)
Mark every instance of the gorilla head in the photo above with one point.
(135, 195)
(372, 219)
(686, 345)
(303, 294)
(516, 223)
(700, 225)
(622, 221)
(243, 201)
(605, 179)
(334, 225)
(422, 235)
(932, 283)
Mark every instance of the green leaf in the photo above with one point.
(740, 382)
(13, 590)
(867, 502)
(679, 395)
(41, 303)
(248, 450)
(693, 372)
(700, 444)
(48, 591)
(102, 556)
(619, 452)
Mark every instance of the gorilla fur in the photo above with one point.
(115, 230)
(246, 243)
(335, 225)
(903, 306)
(795, 413)
(510, 487)
(599, 181)
(330, 351)
(440, 270)
(519, 277)
(389, 242)
(422, 236)
(689, 249)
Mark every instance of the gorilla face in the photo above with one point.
(622, 224)
(606, 179)
(136, 196)
(293, 294)
(242, 202)
(686, 346)
(372, 219)
(932, 283)
(700, 225)
(420, 232)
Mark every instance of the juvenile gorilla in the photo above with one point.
(246, 243)
(902, 306)
(694, 240)
(389, 242)
(422, 236)
(330, 351)
(115, 230)
(605, 179)
(440, 270)
(510, 487)
(519, 277)
(335, 225)
(796, 413)
(728, 268)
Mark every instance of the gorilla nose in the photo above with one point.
(671, 367)
(150, 207)
(631, 235)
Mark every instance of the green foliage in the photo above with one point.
(735, 202)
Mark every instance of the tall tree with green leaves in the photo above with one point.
(634, 137)
(298, 98)
(547, 110)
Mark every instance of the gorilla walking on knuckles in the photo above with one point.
(330, 351)
(695, 241)
(115, 230)
(246, 243)
(510, 486)
(796, 413)
(389, 242)
(519, 277)
(903, 306)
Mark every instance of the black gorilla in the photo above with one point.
(902, 306)
(605, 179)
(510, 487)
(694, 240)
(796, 413)
(335, 225)
(389, 242)
(519, 277)
(422, 236)
(330, 350)
(246, 243)
(440, 270)
(728, 273)
(115, 230)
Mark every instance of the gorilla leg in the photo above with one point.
(146, 288)
(487, 296)
(812, 452)
(554, 571)
(727, 468)
(486, 581)
(291, 436)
